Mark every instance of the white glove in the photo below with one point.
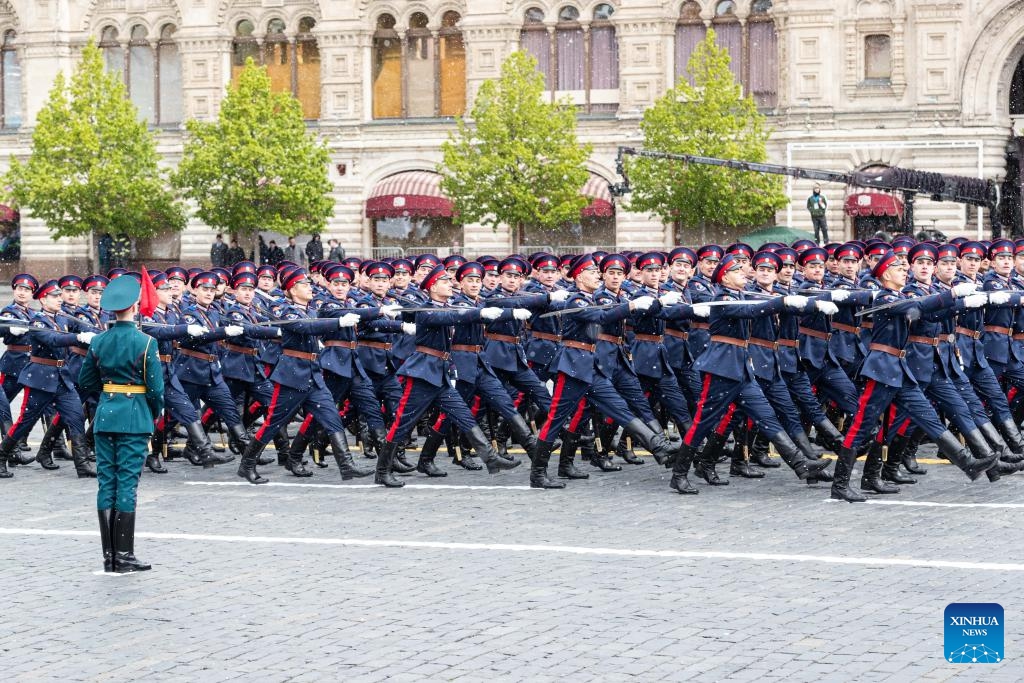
(827, 307)
(348, 320)
(409, 328)
(642, 303)
(18, 331)
(963, 289)
(521, 313)
(670, 298)
(559, 295)
(840, 295)
(701, 310)
(998, 298)
(490, 313)
(234, 330)
(390, 310)
(85, 337)
(975, 300)
(796, 301)
(196, 330)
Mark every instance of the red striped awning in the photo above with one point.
(412, 193)
(596, 188)
(873, 204)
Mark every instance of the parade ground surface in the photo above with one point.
(480, 578)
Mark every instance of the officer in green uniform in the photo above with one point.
(124, 369)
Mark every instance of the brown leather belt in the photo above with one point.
(678, 334)
(208, 357)
(301, 355)
(891, 350)
(164, 358)
(866, 324)
(998, 330)
(652, 338)
(47, 361)
(374, 344)
(443, 355)
(967, 332)
(843, 327)
(729, 340)
(468, 348)
(700, 326)
(774, 346)
(245, 350)
(20, 348)
(817, 334)
(582, 346)
(78, 351)
(546, 336)
(340, 343)
(611, 339)
(788, 343)
(929, 341)
(507, 338)
(1017, 337)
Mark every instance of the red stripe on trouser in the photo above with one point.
(723, 424)
(890, 418)
(519, 399)
(700, 409)
(858, 420)
(207, 415)
(56, 420)
(574, 423)
(255, 407)
(440, 422)
(160, 422)
(344, 408)
(401, 408)
(609, 421)
(306, 424)
(1010, 395)
(270, 411)
(21, 413)
(476, 406)
(555, 399)
(902, 431)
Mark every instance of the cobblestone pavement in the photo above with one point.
(615, 578)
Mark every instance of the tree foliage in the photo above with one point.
(94, 163)
(518, 163)
(709, 118)
(256, 167)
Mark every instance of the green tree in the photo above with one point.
(256, 167)
(518, 163)
(94, 163)
(709, 118)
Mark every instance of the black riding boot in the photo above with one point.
(841, 489)
(624, 449)
(343, 458)
(44, 456)
(282, 445)
(383, 471)
(740, 464)
(828, 436)
(294, 456)
(871, 477)
(203, 451)
(908, 454)
(522, 435)
(7, 448)
(603, 461)
(980, 446)
(958, 454)
(791, 455)
(494, 462)
(106, 538)
(893, 457)
(124, 544)
(566, 468)
(704, 463)
(680, 483)
(247, 465)
(428, 452)
(539, 469)
(237, 438)
(1012, 435)
(399, 463)
(638, 430)
(808, 451)
(83, 467)
(760, 454)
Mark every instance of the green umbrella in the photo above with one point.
(775, 233)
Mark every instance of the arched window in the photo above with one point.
(293, 65)
(10, 82)
(169, 94)
(141, 73)
(421, 73)
(570, 50)
(690, 32)
(604, 62)
(535, 40)
(307, 65)
(113, 53)
(729, 35)
(275, 56)
(763, 48)
(243, 46)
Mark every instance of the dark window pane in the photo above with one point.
(688, 37)
(604, 58)
(536, 43)
(569, 46)
(12, 89)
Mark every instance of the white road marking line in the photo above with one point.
(344, 487)
(556, 549)
(932, 504)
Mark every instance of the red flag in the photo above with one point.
(148, 299)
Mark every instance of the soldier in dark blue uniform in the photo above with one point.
(16, 350)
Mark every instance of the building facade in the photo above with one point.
(846, 84)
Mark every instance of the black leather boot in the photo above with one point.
(7, 448)
(1012, 435)
(428, 452)
(638, 430)
(203, 451)
(83, 467)
(44, 456)
(494, 462)
(237, 438)
(60, 443)
(999, 446)
(891, 465)
(704, 463)
(791, 455)
(124, 544)
(297, 445)
(603, 461)
(106, 538)
(841, 489)
(15, 457)
(680, 483)
(399, 463)
(958, 454)
(624, 449)
(871, 477)
(828, 436)
(760, 454)
(803, 443)
(908, 452)
(247, 465)
(343, 457)
(462, 458)
(740, 466)
(566, 468)
(522, 435)
(539, 468)
(296, 454)
(383, 471)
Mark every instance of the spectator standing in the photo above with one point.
(337, 252)
(103, 249)
(818, 206)
(235, 254)
(292, 252)
(262, 247)
(218, 252)
(274, 253)
(314, 249)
